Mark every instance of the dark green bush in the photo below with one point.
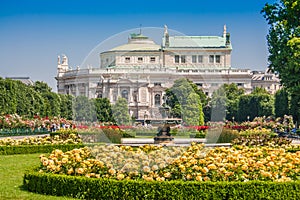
(91, 188)
(27, 149)
(218, 135)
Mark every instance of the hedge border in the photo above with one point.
(29, 149)
(92, 188)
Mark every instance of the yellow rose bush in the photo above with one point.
(46, 140)
(176, 163)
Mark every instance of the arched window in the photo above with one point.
(157, 100)
(99, 95)
(125, 94)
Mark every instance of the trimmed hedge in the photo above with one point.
(92, 188)
(27, 149)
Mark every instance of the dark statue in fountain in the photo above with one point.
(163, 135)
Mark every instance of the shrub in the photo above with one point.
(217, 135)
(28, 149)
(87, 188)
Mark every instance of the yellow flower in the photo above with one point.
(167, 174)
(205, 170)
(64, 160)
(188, 177)
(182, 168)
(244, 167)
(212, 166)
(199, 178)
(120, 176)
(146, 169)
(112, 171)
(80, 170)
(154, 167)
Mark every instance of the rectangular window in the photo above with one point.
(200, 59)
(218, 59)
(194, 59)
(182, 59)
(211, 59)
(127, 59)
(176, 59)
(140, 59)
(152, 59)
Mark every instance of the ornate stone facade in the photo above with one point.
(141, 71)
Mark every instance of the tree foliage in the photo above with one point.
(224, 102)
(257, 104)
(17, 97)
(192, 111)
(84, 109)
(103, 109)
(281, 105)
(218, 105)
(176, 96)
(120, 112)
(284, 44)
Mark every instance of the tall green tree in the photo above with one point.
(41, 87)
(218, 105)
(66, 106)
(83, 109)
(281, 105)
(103, 109)
(192, 111)
(257, 104)
(52, 104)
(120, 112)
(284, 45)
(9, 96)
(176, 96)
(228, 94)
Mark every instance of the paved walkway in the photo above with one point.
(177, 142)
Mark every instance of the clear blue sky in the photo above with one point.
(34, 32)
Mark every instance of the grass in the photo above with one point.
(12, 169)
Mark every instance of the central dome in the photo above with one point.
(138, 42)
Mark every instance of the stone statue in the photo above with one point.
(163, 135)
(166, 30)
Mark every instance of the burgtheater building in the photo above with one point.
(141, 70)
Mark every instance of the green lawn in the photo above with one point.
(12, 168)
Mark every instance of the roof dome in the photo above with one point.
(138, 42)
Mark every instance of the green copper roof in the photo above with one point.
(197, 42)
(138, 36)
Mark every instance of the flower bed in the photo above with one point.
(15, 121)
(155, 172)
(46, 140)
(162, 164)
(44, 144)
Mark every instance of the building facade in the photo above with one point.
(141, 70)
